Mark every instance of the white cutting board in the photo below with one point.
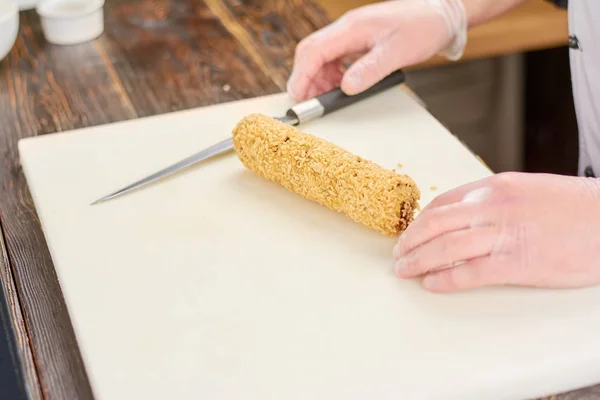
(216, 284)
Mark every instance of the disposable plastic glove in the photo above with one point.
(392, 33)
(518, 229)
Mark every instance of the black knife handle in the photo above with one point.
(335, 99)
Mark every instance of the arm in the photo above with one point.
(481, 11)
(460, 15)
(389, 35)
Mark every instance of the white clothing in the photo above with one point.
(584, 43)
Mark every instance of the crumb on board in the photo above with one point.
(326, 174)
(432, 187)
(399, 165)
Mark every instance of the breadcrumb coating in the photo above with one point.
(325, 173)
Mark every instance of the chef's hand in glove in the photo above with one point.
(387, 36)
(509, 229)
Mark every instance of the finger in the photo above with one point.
(448, 249)
(330, 75)
(435, 222)
(368, 70)
(390, 51)
(479, 272)
(322, 47)
(328, 78)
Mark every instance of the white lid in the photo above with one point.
(67, 8)
(25, 4)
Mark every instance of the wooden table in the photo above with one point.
(155, 56)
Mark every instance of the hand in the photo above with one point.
(509, 229)
(393, 34)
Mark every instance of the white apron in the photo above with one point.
(584, 43)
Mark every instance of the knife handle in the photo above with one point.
(335, 99)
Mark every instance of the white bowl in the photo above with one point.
(9, 26)
(26, 4)
(67, 22)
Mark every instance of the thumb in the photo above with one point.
(369, 69)
(396, 51)
(327, 45)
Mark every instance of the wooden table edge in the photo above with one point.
(20, 331)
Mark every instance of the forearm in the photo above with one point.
(480, 11)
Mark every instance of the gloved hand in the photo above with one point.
(509, 229)
(393, 34)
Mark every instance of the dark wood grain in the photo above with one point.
(24, 355)
(176, 55)
(270, 30)
(47, 89)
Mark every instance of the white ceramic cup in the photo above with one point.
(26, 4)
(9, 26)
(68, 22)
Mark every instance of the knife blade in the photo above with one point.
(300, 113)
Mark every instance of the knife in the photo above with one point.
(300, 113)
